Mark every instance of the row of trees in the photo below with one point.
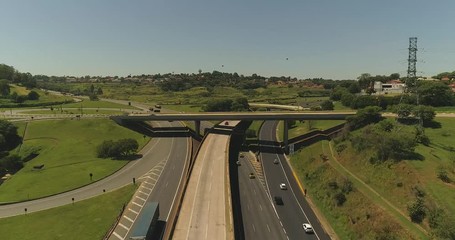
(430, 93)
(227, 105)
(14, 76)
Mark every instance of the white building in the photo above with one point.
(393, 86)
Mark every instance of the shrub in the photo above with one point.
(339, 198)
(417, 211)
(118, 149)
(442, 174)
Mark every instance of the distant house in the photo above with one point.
(452, 86)
(392, 86)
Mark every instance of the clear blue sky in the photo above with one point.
(336, 39)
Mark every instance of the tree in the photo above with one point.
(394, 76)
(127, 146)
(4, 88)
(435, 94)
(6, 72)
(11, 163)
(403, 110)
(93, 97)
(327, 105)
(339, 198)
(426, 113)
(354, 88)
(416, 210)
(365, 116)
(32, 95)
(364, 80)
(240, 104)
(347, 99)
(99, 91)
(117, 149)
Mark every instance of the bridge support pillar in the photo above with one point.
(197, 127)
(286, 136)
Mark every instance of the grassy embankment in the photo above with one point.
(67, 149)
(88, 219)
(198, 96)
(398, 182)
(392, 186)
(306, 126)
(360, 216)
(44, 98)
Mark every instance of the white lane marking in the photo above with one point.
(260, 207)
(254, 229)
(284, 172)
(123, 226)
(148, 194)
(129, 219)
(117, 235)
(133, 211)
(137, 204)
(268, 228)
(166, 184)
(143, 199)
(147, 188)
(295, 197)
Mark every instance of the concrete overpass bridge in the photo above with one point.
(240, 116)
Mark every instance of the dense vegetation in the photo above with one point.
(9, 139)
(117, 149)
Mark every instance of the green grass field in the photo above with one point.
(184, 108)
(358, 217)
(396, 182)
(255, 126)
(300, 128)
(88, 219)
(96, 104)
(44, 98)
(73, 111)
(449, 109)
(67, 149)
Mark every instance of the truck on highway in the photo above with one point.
(145, 226)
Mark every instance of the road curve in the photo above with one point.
(153, 153)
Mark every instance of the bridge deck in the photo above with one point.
(204, 213)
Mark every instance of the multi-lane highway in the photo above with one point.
(295, 210)
(259, 217)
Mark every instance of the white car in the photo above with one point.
(307, 227)
(283, 186)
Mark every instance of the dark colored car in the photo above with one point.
(278, 200)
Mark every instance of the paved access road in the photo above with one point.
(157, 150)
(204, 212)
(260, 220)
(295, 210)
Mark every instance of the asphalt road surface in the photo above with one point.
(295, 211)
(260, 220)
(204, 209)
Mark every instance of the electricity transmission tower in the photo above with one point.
(412, 60)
